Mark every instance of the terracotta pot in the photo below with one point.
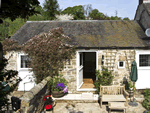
(58, 94)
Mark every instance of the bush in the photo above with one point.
(104, 78)
(146, 102)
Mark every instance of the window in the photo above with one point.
(121, 64)
(25, 61)
(81, 59)
(102, 60)
(144, 60)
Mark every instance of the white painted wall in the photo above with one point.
(25, 75)
(143, 81)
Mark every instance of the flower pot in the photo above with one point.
(58, 94)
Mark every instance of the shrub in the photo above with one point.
(48, 52)
(146, 102)
(104, 78)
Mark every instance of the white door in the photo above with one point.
(143, 67)
(80, 70)
(27, 82)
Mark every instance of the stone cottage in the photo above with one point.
(110, 43)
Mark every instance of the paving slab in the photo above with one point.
(92, 108)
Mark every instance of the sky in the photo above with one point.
(124, 8)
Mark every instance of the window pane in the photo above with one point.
(121, 64)
(25, 61)
(81, 58)
(144, 60)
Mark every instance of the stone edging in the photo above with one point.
(29, 98)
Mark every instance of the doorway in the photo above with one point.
(87, 66)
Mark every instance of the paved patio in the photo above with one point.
(92, 108)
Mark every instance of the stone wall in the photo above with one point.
(12, 62)
(32, 101)
(69, 73)
(111, 59)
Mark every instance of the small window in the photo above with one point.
(102, 62)
(121, 64)
(144, 60)
(25, 61)
(81, 59)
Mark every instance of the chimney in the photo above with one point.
(140, 2)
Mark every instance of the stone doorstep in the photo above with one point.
(78, 97)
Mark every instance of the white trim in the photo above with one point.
(77, 66)
(19, 62)
(81, 84)
(140, 52)
(123, 65)
(92, 89)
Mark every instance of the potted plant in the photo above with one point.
(58, 86)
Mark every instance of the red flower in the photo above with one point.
(47, 96)
(48, 107)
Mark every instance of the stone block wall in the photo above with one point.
(69, 73)
(111, 59)
(12, 60)
(32, 101)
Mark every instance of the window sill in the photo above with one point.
(24, 69)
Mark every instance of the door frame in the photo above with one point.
(77, 68)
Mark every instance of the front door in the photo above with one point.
(89, 65)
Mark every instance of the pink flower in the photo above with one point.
(65, 89)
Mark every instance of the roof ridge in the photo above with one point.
(73, 21)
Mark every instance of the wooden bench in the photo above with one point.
(113, 93)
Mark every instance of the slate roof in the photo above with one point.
(147, 6)
(89, 33)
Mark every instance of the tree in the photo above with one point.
(115, 18)
(96, 15)
(51, 8)
(47, 59)
(126, 18)
(38, 17)
(18, 8)
(76, 11)
(87, 9)
(64, 17)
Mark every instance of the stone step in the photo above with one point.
(78, 98)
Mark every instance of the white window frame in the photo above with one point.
(123, 65)
(141, 52)
(19, 62)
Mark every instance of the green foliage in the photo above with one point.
(96, 15)
(126, 18)
(13, 9)
(146, 102)
(55, 80)
(4, 27)
(115, 18)
(76, 11)
(51, 7)
(48, 58)
(104, 78)
(6, 75)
